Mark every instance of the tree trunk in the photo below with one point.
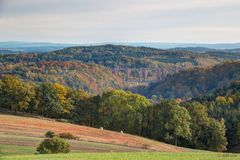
(176, 141)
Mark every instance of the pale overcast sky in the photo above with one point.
(88, 21)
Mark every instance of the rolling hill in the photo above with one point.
(19, 137)
(99, 68)
(88, 77)
(135, 65)
(194, 82)
(14, 128)
(40, 47)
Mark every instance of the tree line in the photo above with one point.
(199, 124)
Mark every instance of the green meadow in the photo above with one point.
(128, 156)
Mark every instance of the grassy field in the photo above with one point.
(15, 145)
(6, 150)
(35, 128)
(14, 152)
(19, 137)
(129, 156)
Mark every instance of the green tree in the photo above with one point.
(199, 124)
(207, 132)
(15, 94)
(170, 122)
(122, 110)
(226, 107)
(49, 102)
(216, 139)
(236, 136)
(34, 100)
(178, 124)
(84, 108)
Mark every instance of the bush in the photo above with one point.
(67, 136)
(50, 134)
(53, 145)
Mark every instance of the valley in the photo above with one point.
(119, 80)
(121, 88)
(96, 69)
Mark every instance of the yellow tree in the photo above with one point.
(63, 96)
(15, 94)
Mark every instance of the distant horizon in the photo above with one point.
(157, 45)
(114, 42)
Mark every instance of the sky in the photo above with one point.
(97, 21)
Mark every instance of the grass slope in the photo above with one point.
(23, 145)
(19, 137)
(26, 131)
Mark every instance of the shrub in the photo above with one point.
(53, 145)
(50, 134)
(67, 136)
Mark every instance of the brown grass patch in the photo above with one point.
(35, 127)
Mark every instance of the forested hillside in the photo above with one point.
(134, 64)
(99, 68)
(193, 82)
(88, 77)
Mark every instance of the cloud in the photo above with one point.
(125, 20)
(30, 7)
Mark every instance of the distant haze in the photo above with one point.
(185, 45)
(98, 21)
(46, 47)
